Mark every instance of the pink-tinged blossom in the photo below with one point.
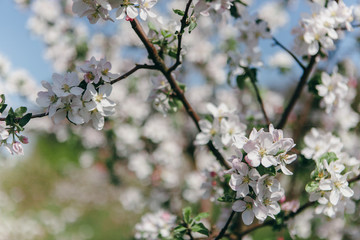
(92, 9)
(155, 225)
(209, 132)
(97, 105)
(290, 206)
(243, 178)
(127, 8)
(103, 71)
(4, 134)
(334, 91)
(48, 99)
(16, 148)
(66, 85)
(262, 151)
(24, 139)
(338, 185)
(145, 9)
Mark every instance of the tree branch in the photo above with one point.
(297, 92)
(258, 96)
(131, 71)
(161, 66)
(40, 115)
(184, 23)
(289, 52)
(223, 230)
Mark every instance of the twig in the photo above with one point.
(297, 92)
(40, 115)
(258, 96)
(184, 23)
(223, 230)
(289, 52)
(161, 66)
(131, 71)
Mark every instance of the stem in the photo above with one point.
(258, 96)
(289, 52)
(297, 92)
(131, 71)
(184, 23)
(161, 66)
(223, 230)
(40, 115)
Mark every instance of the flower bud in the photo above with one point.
(24, 140)
(17, 148)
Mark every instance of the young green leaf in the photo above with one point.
(187, 215)
(179, 12)
(25, 119)
(200, 228)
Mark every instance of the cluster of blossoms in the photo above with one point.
(96, 9)
(224, 124)
(321, 28)
(155, 226)
(161, 95)
(251, 30)
(257, 189)
(329, 187)
(80, 101)
(15, 146)
(334, 90)
(204, 7)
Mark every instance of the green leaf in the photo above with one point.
(172, 54)
(2, 107)
(192, 26)
(166, 34)
(152, 27)
(240, 81)
(270, 170)
(19, 112)
(180, 229)
(311, 186)
(200, 228)
(187, 214)
(201, 216)
(179, 12)
(314, 81)
(25, 119)
(10, 117)
(228, 197)
(329, 157)
(182, 86)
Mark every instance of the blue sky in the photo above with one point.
(18, 45)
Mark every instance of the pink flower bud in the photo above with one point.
(24, 140)
(292, 206)
(213, 174)
(129, 19)
(17, 148)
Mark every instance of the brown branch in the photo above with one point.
(40, 115)
(184, 23)
(223, 230)
(297, 92)
(131, 71)
(161, 66)
(258, 96)
(289, 52)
